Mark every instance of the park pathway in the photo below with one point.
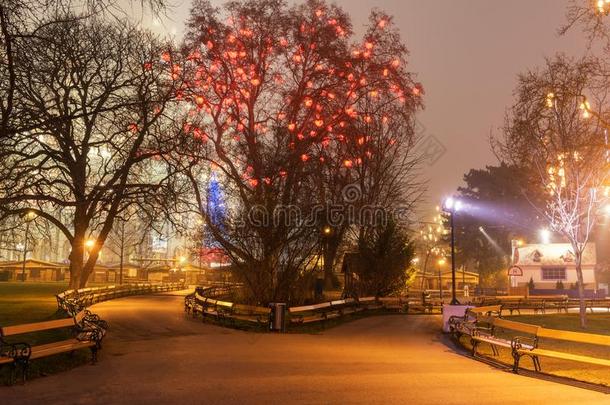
(154, 354)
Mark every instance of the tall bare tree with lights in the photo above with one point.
(557, 133)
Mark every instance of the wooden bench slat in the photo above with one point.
(251, 308)
(305, 308)
(574, 336)
(485, 309)
(516, 326)
(59, 347)
(565, 356)
(36, 327)
(225, 304)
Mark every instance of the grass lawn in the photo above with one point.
(28, 302)
(34, 302)
(597, 323)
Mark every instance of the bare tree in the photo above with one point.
(554, 131)
(98, 96)
(592, 16)
(22, 20)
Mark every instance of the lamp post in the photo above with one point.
(441, 262)
(451, 206)
(29, 217)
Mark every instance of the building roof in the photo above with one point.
(31, 264)
(553, 254)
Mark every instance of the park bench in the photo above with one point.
(369, 303)
(419, 306)
(535, 304)
(250, 313)
(347, 306)
(395, 303)
(510, 303)
(341, 307)
(87, 332)
(487, 334)
(531, 347)
(213, 307)
(558, 302)
(310, 313)
(465, 325)
(528, 344)
(598, 303)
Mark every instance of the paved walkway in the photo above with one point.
(153, 354)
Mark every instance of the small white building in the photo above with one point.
(547, 264)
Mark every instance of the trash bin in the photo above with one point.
(277, 322)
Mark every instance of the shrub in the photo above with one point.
(384, 257)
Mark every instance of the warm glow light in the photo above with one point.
(89, 243)
(520, 242)
(545, 236)
(327, 230)
(441, 262)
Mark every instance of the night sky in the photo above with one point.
(467, 54)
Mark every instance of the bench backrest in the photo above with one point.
(367, 299)
(225, 304)
(549, 297)
(485, 309)
(516, 326)
(36, 327)
(240, 308)
(305, 308)
(389, 299)
(579, 337)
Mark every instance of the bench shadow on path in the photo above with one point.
(456, 348)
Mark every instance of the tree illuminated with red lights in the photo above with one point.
(276, 97)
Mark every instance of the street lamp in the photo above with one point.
(545, 236)
(89, 243)
(602, 7)
(441, 262)
(451, 206)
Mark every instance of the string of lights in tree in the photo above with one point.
(298, 87)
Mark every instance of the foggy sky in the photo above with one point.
(467, 54)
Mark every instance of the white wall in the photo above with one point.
(535, 273)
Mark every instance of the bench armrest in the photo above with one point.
(16, 351)
(519, 341)
(94, 335)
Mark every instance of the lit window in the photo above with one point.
(553, 273)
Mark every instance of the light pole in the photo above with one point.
(29, 217)
(441, 262)
(451, 206)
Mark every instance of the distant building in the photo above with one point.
(548, 264)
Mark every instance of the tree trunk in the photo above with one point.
(330, 255)
(423, 272)
(76, 265)
(123, 252)
(581, 289)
